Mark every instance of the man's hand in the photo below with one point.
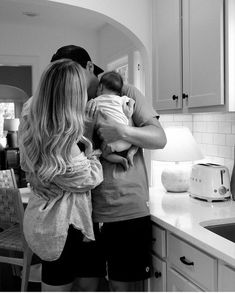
(109, 130)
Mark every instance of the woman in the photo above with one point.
(57, 222)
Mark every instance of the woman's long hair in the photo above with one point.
(55, 120)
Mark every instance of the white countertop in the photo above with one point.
(182, 215)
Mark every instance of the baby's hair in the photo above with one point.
(112, 81)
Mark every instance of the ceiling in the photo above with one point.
(48, 14)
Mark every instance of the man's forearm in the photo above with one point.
(149, 136)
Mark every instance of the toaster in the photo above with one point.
(210, 182)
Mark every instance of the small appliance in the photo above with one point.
(210, 182)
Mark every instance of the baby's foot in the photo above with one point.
(124, 163)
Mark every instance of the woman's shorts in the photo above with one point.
(78, 259)
(121, 251)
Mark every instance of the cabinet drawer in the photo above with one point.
(226, 278)
(158, 279)
(177, 283)
(159, 241)
(192, 262)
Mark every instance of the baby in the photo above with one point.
(119, 108)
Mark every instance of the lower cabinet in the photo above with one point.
(177, 283)
(226, 280)
(158, 279)
(181, 266)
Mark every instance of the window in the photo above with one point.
(7, 111)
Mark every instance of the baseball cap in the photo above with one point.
(77, 54)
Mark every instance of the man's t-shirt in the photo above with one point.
(123, 194)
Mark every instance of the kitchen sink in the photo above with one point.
(224, 230)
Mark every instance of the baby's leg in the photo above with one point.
(115, 158)
(130, 154)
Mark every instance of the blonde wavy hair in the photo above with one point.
(55, 120)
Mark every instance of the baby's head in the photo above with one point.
(111, 82)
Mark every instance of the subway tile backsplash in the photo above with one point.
(214, 132)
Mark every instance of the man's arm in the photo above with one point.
(150, 136)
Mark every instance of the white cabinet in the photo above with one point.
(188, 54)
(158, 279)
(167, 54)
(177, 283)
(226, 280)
(157, 282)
(178, 265)
(192, 263)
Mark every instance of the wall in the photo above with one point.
(41, 41)
(135, 15)
(214, 132)
(114, 45)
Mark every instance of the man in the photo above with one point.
(120, 204)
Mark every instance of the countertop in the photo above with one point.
(185, 216)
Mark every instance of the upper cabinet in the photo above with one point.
(191, 53)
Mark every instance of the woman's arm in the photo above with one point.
(84, 175)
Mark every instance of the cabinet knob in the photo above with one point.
(174, 97)
(184, 260)
(157, 274)
(185, 96)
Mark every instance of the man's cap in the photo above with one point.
(77, 54)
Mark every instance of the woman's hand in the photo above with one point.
(90, 118)
(91, 110)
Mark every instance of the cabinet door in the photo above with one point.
(158, 279)
(192, 262)
(158, 241)
(226, 278)
(203, 52)
(177, 283)
(167, 62)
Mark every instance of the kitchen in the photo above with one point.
(212, 126)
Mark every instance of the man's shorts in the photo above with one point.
(123, 248)
(127, 247)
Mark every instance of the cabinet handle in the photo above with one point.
(186, 262)
(157, 274)
(174, 97)
(185, 96)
